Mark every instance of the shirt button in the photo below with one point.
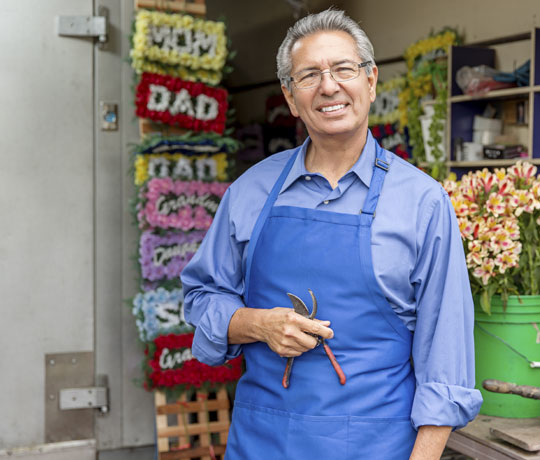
(308, 177)
(326, 201)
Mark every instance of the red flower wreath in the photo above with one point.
(187, 116)
(192, 373)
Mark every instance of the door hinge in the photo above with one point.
(85, 26)
(85, 398)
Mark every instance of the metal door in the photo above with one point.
(65, 234)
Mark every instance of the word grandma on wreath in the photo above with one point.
(175, 102)
(170, 204)
(171, 363)
(179, 45)
(164, 257)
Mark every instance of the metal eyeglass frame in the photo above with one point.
(360, 66)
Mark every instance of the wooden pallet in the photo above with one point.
(185, 427)
(194, 7)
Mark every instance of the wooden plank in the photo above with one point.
(202, 416)
(161, 422)
(496, 93)
(150, 127)
(192, 429)
(528, 438)
(192, 406)
(196, 452)
(182, 420)
(467, 446)
(223, 415)
(477, 436)
(491, 163)
(194, 7)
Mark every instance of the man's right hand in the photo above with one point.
(285, 331)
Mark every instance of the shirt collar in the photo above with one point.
(363, 167)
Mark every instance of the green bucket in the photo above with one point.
(508, 361)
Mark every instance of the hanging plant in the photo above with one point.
(427, 80)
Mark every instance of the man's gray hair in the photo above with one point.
(328, 20)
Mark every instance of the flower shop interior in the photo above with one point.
(94, 351)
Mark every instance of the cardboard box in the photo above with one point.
(500, 151)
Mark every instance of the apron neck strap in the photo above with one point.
(380, 168)
(272, 197)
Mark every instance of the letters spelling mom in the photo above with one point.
(189, 105)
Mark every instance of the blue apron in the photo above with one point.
(294, 249)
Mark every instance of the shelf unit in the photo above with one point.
(462, 108)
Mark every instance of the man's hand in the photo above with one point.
(284, 330)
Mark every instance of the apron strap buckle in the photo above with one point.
(382, 164)
(368, 213)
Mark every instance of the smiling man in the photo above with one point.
(375, 241)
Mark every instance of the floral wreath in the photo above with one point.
(179, 166)
(159, 312)
(171, 364)
(165, 256)
(170, 204)
(179, 45)
(175, 102)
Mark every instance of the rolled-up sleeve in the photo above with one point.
(213, 288)
(443, 344)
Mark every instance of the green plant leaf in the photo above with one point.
(485, 302)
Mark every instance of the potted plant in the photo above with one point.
(499, 219)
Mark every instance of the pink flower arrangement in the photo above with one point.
(170, 204)
(499, 219)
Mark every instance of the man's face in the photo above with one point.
(331, 108)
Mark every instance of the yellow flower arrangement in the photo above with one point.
(142, 163)
(423, 47)
(426, 79)
(179, 45)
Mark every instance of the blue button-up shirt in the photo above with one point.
(418, 262)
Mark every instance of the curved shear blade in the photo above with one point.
(299, 305)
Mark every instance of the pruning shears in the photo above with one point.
(301, 309)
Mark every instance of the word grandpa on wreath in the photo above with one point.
(189, 105)
(171, 204)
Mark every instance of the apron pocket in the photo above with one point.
(260, 433)
(380, 438)
(256, 433)
(317, 438)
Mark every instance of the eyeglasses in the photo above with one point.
(344, 71)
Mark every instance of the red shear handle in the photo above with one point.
(335, 364)
(287, 373)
